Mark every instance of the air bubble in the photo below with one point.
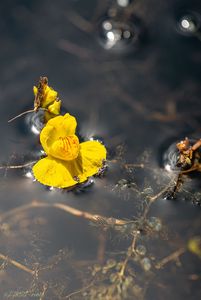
(155, 223)
(170, 158)
(29, 174)
(118, 36)
(141, 250)
(146, 264)
(189, 24)
(35, 121)
(123, 3)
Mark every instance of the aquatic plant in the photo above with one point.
(68, 161)
(125, 270)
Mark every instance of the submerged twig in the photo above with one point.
(69, 209)
(79, 291)
(17, 264)
(171, 257)
(80, 22)
(74, 49)
(152, 199)
(123, 268)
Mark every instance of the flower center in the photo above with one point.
(65, 148)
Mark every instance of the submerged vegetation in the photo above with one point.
(130, 251)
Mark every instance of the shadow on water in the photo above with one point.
(138, 91)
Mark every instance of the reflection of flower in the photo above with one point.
(68, 162)
(49, 99)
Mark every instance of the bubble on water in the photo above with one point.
(155, 223)
(170, 158)
(82, 187)
(146, 264)
(35, 121)
(111, 263)
(189, 23)
(122, 184)
(118, 36)
(29, 174)
(51, 188)
(141, 250)
(123, 3)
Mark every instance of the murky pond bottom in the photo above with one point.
(118, 237)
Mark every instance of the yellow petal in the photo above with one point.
(62, 174)
(53, 172)
(50, 95)
(93, 154)
(53, 110)
(35, 90)
(58, 127)
(48, 116)
(89, 161)
(194, 245)
(55, 107)
(66, 148)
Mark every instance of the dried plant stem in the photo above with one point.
(74, 49)
(27, 112)
(22, 114)
(45, 287)
(76, 212)
(79, 291)
(69, 209)
(19, 166)
(142, 166)
(152, 199)
(79, 22)
(83, 214)
(123, 268)
(170, 257)
(165, 189)
(16, 264)
(101, 247)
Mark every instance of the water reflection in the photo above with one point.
(118, 36)
(189, 24)
(118, 238)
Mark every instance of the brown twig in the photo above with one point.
(101, 247)
(79, 291)
(74, 49)
(152, 199)
(79, 22)
(155, 197)
(123, 268)
(17, 264)
(171, 257)
(45, 287)
(142, 166)
(69, 209)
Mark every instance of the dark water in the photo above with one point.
(140, 94)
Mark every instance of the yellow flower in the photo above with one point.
(48, 98)
(68, 161)
(55, 107)
(53, 110)
(49, 95)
